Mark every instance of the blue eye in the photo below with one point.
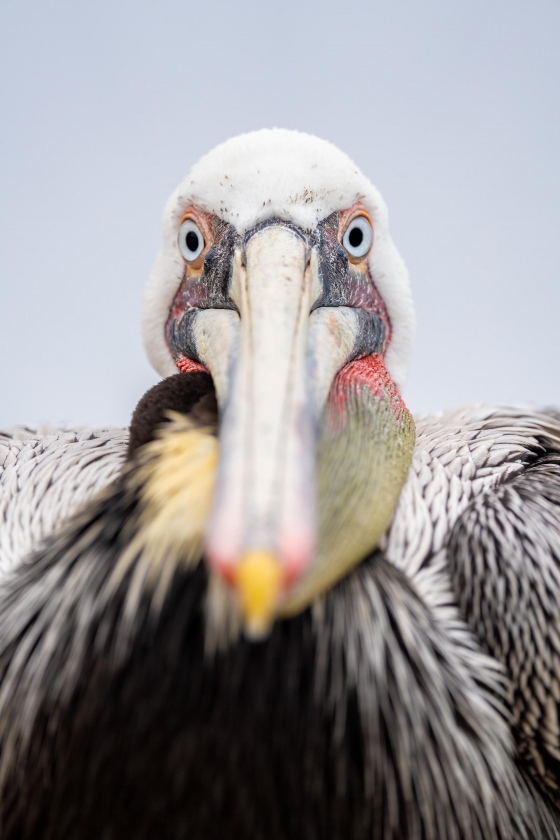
(190, 240)
(358, 237)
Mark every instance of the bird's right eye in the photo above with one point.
(190, 240)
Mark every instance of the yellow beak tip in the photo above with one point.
(258, 580)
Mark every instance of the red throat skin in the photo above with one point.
(369, 372)
(185, 365)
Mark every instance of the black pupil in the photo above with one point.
(192, 241)
(355, 237)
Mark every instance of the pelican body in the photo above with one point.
(293, 612)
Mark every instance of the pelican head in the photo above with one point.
(278, 276)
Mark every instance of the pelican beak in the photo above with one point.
(261, 533)
(273, 365)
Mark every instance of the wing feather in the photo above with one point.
(46, 474)
(504, 558)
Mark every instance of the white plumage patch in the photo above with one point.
(276, 173)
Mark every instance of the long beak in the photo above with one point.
(262, 530)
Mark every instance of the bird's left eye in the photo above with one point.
(190, 240)
(358, 237)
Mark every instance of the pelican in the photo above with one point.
(280, 607)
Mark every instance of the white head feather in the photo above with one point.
(276, 173)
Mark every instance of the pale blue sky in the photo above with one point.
(451, 108)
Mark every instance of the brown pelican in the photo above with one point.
(291, 612)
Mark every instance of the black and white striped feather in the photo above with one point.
(418, 699)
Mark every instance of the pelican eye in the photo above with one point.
(358, 237)
(190, 240)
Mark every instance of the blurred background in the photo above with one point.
(451, 108)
